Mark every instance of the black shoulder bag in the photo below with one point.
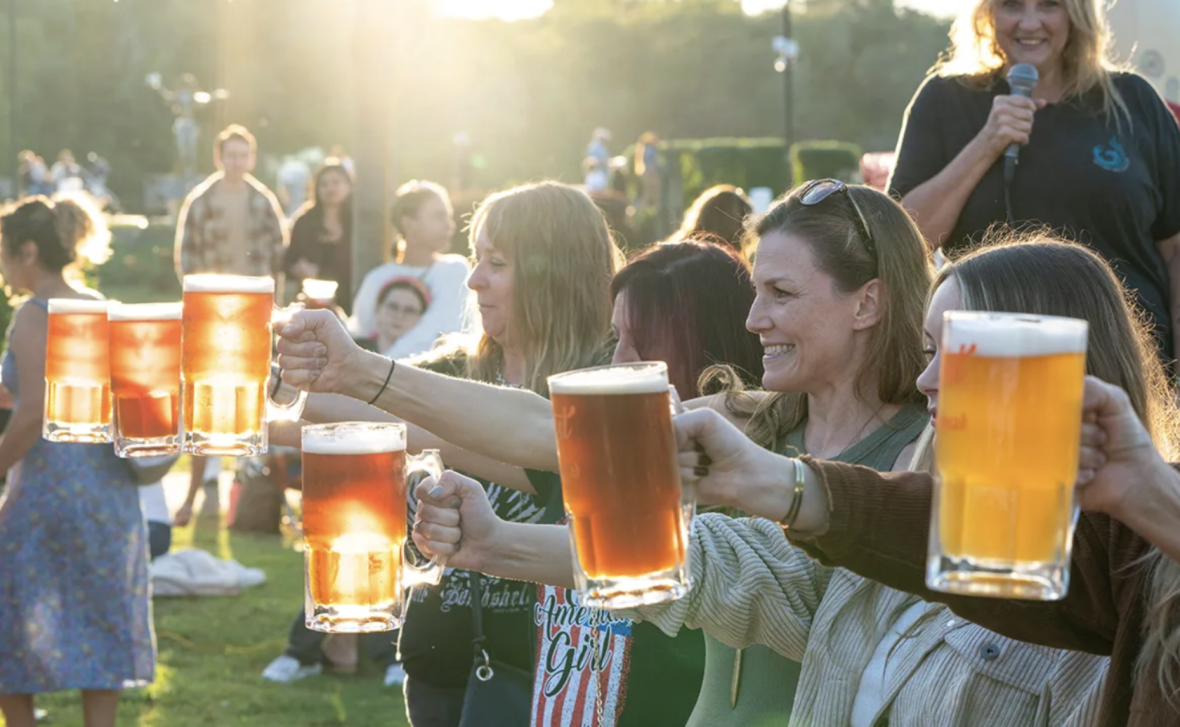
(498, 695)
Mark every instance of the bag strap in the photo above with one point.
(483, 662)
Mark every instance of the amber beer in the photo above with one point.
(621, 483)
(145, 378)
(354, 525)
(77, 372)
(226, 336)
(1009, 431)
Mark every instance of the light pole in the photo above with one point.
(787, 50)
(12, 98)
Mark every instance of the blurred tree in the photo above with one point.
(526, 93)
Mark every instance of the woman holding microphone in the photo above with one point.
(1099, 151)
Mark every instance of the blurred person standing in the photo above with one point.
(321, 233)
(716, 216)
(424, 221)
(66, 174)
(74, 589)
(231, 223)
(34, 175)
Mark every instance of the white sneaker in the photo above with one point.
(395, 675)
(287, 669)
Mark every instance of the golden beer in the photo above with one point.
(621, 484)
(1009, 430)
(145, 378)
(77, 372)
(226, 337)
(354, 524)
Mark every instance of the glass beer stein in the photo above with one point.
(77, 372)
(1006, 453)
(628, 514)
(145, 378)
(226, 339)
(354, 525)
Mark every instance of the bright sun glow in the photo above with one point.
(521, 9)
(502, 9)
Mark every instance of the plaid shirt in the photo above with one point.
(202, 239)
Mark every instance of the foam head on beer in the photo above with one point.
(344, 440)
(652, 379)
(75, 306)
(214, 283)
(1013, 335)
(145, 311)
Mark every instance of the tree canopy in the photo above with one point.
(527, 93)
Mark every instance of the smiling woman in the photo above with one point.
(1104, 130)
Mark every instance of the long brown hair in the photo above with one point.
(1042, 275)
(1086, 61)
(900, 261)
(564, 258)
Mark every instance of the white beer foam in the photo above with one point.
(1013, 335)
(212, 283)
(77, 305)
(359, 439)
(612, 380)
(145, 311)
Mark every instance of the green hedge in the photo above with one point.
(140, 269)
(747, 163)
(825, 159)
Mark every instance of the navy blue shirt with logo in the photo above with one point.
(1114, 188)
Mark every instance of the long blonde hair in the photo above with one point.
(1044, 276)
(564, 258)
(894, 357)
(1086, 63)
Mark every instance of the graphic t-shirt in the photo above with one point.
(1114, 189)
(436, 639)
(595, 669)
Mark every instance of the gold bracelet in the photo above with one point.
(788, 521)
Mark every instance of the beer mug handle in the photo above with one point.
(292, 412)
(688, 500)
(430, 462)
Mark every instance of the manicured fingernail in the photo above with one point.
(436, 491)
(700, 471)
(321, 350)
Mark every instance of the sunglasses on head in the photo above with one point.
(815, 192)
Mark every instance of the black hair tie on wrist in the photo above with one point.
(388, 376)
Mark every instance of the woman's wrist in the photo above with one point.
(771, 495)
(1156, 495)
(364, 376)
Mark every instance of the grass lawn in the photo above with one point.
(211, 651)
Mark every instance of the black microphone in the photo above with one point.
(1022, 79)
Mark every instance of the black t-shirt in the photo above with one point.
(333, 258)
(1116, 190)
(645, 678)
(435, 641)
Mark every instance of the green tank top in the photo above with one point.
(764, 681)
